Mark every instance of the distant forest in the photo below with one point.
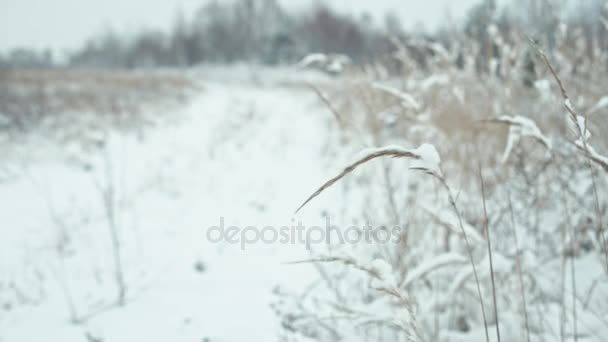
(262, 31)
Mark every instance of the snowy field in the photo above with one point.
(304, 171)
(106, 220)
(244, 147)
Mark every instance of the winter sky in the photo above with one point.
(64, 24)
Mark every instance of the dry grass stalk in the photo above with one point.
(588, 150)
(328, 104)
(396, 152)
(387, 152)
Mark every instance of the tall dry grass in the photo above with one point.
(520, 218)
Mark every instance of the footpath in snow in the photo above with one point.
(239, 152)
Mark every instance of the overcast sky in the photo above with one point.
(64, 24)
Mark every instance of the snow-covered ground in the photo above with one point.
(246, 150)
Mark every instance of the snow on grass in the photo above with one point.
(384, 271)
(333, 63)
(520, 127)
(407, 100)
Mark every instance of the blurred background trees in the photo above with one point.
(262, 31)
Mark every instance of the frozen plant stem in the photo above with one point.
(489, 243)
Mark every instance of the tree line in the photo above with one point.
(264, 32)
